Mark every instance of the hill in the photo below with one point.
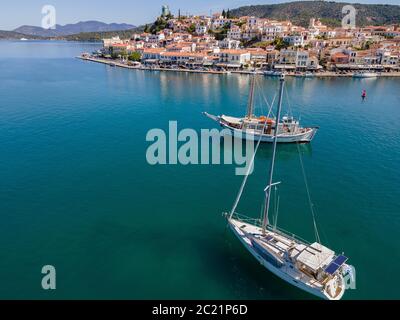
(98, 36)
(11, 35)
(70, 29)
(330, 13)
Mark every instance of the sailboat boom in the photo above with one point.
(274, 184)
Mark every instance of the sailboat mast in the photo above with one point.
(271, 171)
(250, 103)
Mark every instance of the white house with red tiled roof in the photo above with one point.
(238, 57)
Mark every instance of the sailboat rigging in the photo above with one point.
(311, 267)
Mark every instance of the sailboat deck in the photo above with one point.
(278, 244)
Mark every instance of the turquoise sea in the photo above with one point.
(77, 193)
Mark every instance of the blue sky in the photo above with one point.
(19, 12)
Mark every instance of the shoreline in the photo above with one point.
(324, 74)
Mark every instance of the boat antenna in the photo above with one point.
(250, 104)
(271, 171)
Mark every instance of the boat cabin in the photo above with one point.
(262, 124)
(313, 260)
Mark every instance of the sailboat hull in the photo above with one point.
(302, 137)
(281, 272)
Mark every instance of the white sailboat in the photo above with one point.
(311, 267)
(264, 128)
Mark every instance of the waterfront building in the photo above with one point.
(184, 58)
(391, 60)
(338, 49)
(302, 59)
(109, 42)
(362, 57)
(151, 56)
(235, 58)
(258, 57)
(339, 58)
(183, 46)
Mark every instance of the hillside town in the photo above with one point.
(220, 42)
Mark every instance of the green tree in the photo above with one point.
(192, 28)
(261, 44)
(160, 24)
(134, 56)
(223, 13)
(367, 45)
(280, 44)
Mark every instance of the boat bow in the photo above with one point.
(212, 117)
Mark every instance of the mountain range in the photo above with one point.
(299, 12)
(69, 29)
(330, 13)
(15, 35)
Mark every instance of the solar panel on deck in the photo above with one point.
(269, 237)
(340, 260)
(331, 269)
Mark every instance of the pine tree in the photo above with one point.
(223, 14)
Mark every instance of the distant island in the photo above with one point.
(62, 32)
(10, 35)
(299, 13)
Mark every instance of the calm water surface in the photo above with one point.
(76, 191)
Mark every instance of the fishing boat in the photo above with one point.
(311, 267)
(364, 74)
(309, 74)
(269, 73)
(306, 74)
(298, 74)
(251, 127)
